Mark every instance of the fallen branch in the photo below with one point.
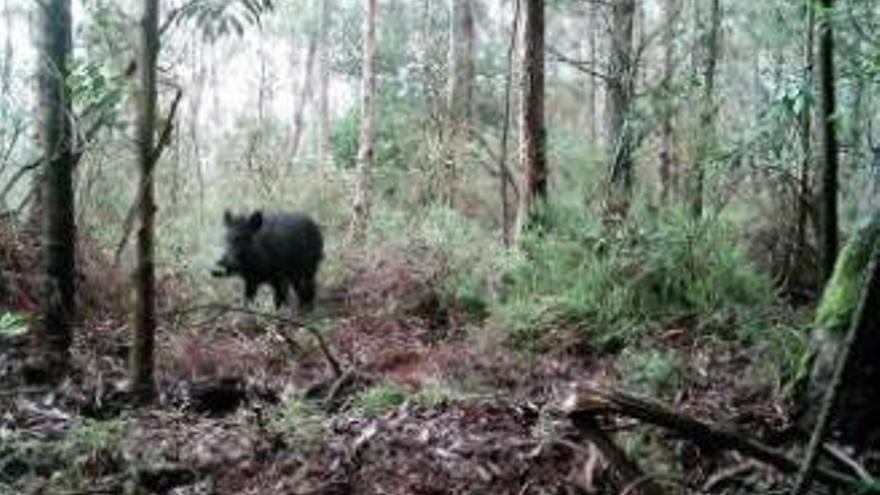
(589, 400)
(633, 478)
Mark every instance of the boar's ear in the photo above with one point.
(256, 220)
(227, 217)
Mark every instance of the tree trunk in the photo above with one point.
(667, 152)
(532, 134)
(619, 94)
(8, 60)
(57, 201)
(838, 310)
(144, 280)
(706, 144)
(461, 55)
(200, 78)
(504, 175)
(302, 98)
(804, 190)
(365, 156)
(324, 145)
(827, 138)
(592, 102)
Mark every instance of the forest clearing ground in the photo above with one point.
(451, 406)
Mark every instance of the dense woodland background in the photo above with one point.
(643, 197)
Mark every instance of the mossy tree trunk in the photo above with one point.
(619, 95)
(857, 404)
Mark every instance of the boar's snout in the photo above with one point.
(225, 267)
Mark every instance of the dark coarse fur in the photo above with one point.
(280, 249)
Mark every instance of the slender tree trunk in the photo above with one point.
(532, 133)
(461, 55)
(365, 156)
(804, 190)
(8, 54)
(592, 91)
(200, 78)
(302, 98)
(504, 177)
(57, 202)
(707, 114)
(324, 145)
(144, 280)
(827, 139)
(619, 94)
(667, 153)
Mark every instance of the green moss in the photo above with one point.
(841, 294)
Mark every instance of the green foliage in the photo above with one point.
(695, 267)
(379, 399)
(299, 421)
(13, 324)
(650, 372)
(842, 291)
(614, 280)
(396, 144)
(217, 18)
(90, 438)
(86, 445)
(95, 90)
(434, 396)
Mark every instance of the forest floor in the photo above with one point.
(433, 402)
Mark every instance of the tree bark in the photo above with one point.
(144, 278)
(667, 153)
(532, 146)
(460, 96)
(592, 102)
(8, 53)
(56, 182)
(324, 145)
(302, 98)
(804, 189)
(860, 325)
(827, 140)
(619, 94)
(366, 145)
(706, 144)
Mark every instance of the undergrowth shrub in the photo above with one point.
(379, 399)
(86, 449)
(299, 421)
(610, 281)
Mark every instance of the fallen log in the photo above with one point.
(589, 400)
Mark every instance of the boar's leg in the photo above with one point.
(305, 291)
(250, 290)
(281, 289)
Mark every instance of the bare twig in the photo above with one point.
(161, 144)
(581, 65)
(842, 458)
